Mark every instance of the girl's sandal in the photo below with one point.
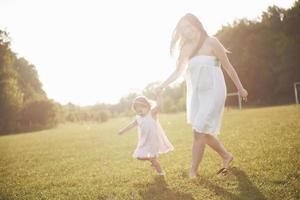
(162, 173)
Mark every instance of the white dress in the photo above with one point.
(206, 94)
(152, 138)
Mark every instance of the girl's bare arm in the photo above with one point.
(128, 127)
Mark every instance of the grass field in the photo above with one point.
(90, 161)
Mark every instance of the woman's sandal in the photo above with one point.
(223, 171)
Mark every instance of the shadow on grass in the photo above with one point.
(247, 190)
(159, 190)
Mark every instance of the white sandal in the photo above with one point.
(162, 173)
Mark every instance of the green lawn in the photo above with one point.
(90, 161)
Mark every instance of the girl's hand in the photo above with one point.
(120, 132)
(243, 93)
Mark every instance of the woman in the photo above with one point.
(206, 89)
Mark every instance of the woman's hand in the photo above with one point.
(243, 93)
(159, 90)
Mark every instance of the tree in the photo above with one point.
(11, 97)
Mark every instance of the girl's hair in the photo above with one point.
(177, 34)
(140, 100)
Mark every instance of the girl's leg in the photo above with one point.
(215, 144)
(155, 164)
(197, 152)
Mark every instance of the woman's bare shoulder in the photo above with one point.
(217, 46)
(213, 41)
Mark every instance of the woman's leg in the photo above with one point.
(215, 144)
(197, 152)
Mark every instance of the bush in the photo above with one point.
(38, 114)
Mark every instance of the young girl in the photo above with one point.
(152, 139)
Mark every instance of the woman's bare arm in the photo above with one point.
(158, 106)
(220, 52)
(175, 74)
(128, 127)
(180, 66)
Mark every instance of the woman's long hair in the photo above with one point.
(177, 36)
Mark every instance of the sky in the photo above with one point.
(94, 51)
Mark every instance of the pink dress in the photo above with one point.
(152, 138)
